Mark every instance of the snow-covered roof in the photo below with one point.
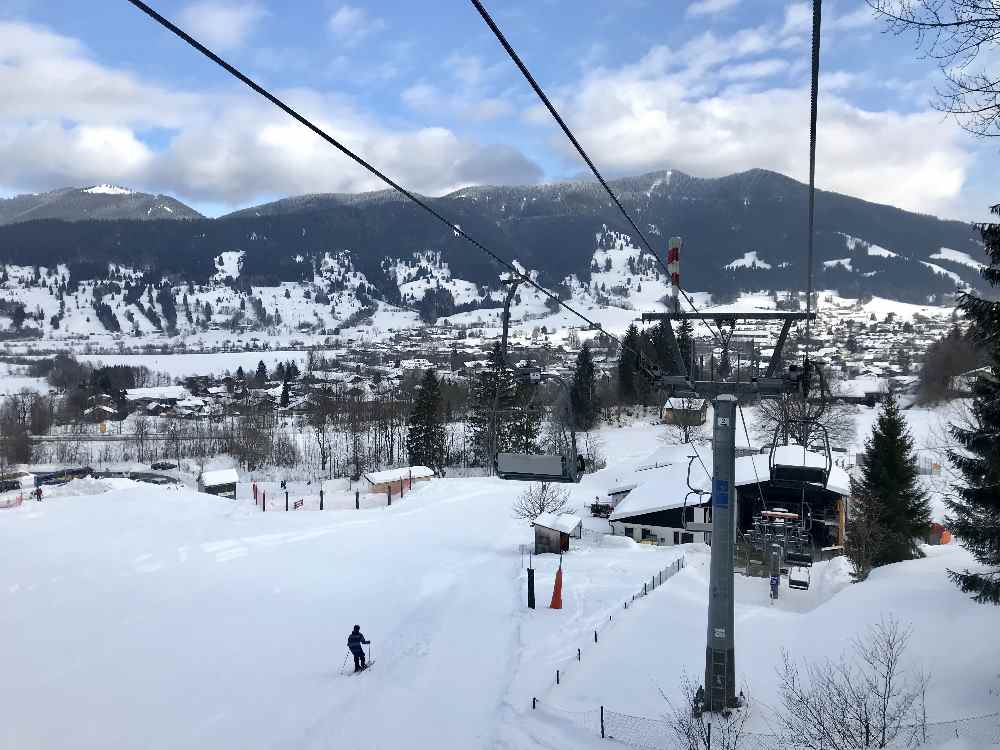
(565, 523)
(622, 488)
(219, 477)
(99, 407)
(662, 488)
(158, 393)
(861, 387)
(685, 404)
(394, 475)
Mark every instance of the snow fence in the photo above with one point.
(656, 733)
(651, 584)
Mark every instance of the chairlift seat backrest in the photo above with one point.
(799, 474)
(531, 468)
(799, 558)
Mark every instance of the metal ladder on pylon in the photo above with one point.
(717, 691)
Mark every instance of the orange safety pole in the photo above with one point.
(556, 602)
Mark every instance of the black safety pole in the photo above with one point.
(321, 498)
(357, 500)
(286, 501)
(531, 588)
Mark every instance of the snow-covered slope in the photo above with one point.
(199, 622)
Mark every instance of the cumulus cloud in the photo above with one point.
(68, 120)
(222, 25)
(661, 112)
(351, 24)
(709, 7)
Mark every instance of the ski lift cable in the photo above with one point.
(232, 70)
(512, 53)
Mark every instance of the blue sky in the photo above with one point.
(96, 92)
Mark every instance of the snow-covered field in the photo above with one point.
(134, 616)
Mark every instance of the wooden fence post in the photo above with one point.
(286, 501)
(321, 498)
(388, 493)
(357, 500)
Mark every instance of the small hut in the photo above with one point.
(395, 480)
(552, 532)
(221, 482)
(685, 412)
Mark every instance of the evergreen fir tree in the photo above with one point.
(261, 372)
(584, 390)
(284, 395)
(524, 421)
(628, 370)
(888, 499)
(975, 511)
(685, 342)
(490, 396)
(426, 438)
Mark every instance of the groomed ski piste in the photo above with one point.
(139, 616)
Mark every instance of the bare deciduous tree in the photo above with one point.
(962, 37)
(798, 420)
(540, 498)
(868, 701)
(140, 435)
(696, 730)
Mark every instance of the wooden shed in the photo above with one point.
(395, 480)
(686, 412)
(221, 482)
(552, 532)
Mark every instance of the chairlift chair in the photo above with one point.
(798, 475)
(526, 467)
(798, 577)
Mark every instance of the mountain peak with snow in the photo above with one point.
(106, 189)
(104, 201)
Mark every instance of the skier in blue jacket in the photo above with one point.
(354, 642)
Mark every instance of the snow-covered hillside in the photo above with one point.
(163, 618)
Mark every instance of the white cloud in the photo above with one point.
(798, 19)
(222, 25)
(756, 69)
(652, 114)
(709, 7)
(351, 24)
(67, 120)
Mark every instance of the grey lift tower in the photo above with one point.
(720, 662)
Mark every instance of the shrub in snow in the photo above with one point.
(540, 498)
(865, 701)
